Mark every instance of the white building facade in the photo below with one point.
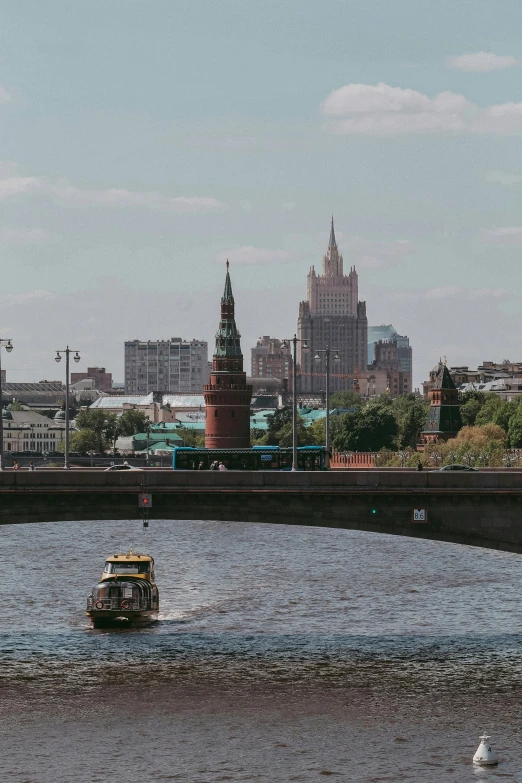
(30, 431)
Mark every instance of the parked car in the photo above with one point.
(457, 467)
(122, 467)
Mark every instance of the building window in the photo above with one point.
(233, 413)
(215, 414)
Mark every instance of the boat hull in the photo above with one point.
(117, 617)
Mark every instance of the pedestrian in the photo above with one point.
(16, 465)
(214, 465)
(31, 465)
(201, 466)
(221, 466)
(419, 465)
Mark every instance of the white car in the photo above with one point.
(122, 467)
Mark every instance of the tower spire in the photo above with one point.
(332, 242)
(228, 296)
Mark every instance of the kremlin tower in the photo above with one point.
(227, 395)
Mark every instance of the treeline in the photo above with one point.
(98, 430)
(369, 425)
(393, 427)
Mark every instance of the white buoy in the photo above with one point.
(485, 755)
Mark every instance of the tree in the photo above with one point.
(486, 415)
(345, 399)
(101, 423)
(515, 428)
(305, 436)
(132, 422)
(411, 426)
(275, 422)
(85, 441)
(411, 413)
(16, 406)
(480, 445)
(345, 439)
(469, 411)
(193, 438)
(371, 428)
(504, 413)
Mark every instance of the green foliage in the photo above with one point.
(16, 406)
(515, 428)
(345, 399)
(491, 406)
(469, 411)
(411, 413)
(108, 427)
(372, 428)
(86, 440)
(276, 421)
(304, 434)
(257, 437)
(132, 422)
(102, 423)
(192, 438)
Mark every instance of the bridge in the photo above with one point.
(482, 508)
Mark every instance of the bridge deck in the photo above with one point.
(482, 508)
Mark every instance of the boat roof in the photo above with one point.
(130, 556)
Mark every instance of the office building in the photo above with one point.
(272, 358)
(165, 365)
(102, 379)
(333, 316)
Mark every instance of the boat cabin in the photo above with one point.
(134, 565)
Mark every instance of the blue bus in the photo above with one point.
(256, 458)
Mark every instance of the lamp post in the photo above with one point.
(284, 344)
(58, 358)
(8, 347)
(336, 358)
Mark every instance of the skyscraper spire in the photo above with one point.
(332, 242)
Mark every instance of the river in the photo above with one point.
(282, 653)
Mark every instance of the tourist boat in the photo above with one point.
(126, 593)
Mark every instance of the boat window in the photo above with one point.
(127, 568)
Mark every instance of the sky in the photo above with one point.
(142, 142)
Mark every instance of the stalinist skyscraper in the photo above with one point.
(333, 316)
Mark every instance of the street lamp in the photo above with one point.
(336, 358)
(8, 347)
(284, 344)
(58, 358)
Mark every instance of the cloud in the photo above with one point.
(382, 110)
(481, 62)
(373, 253)
(36, 295)
(247, 254)
(15, 186)
(120, 197)
(443, 292)
(24, 236)
(507, 235)
(12, 185)
(504, 177)
(452, 292)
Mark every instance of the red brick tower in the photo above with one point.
(227, 396)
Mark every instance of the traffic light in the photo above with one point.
(145, 500)
(374, 512)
